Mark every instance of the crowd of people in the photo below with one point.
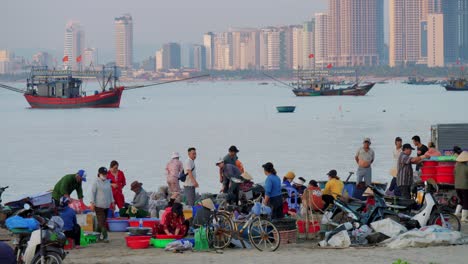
(107, 189)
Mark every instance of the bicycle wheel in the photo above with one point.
(446, 220)
(219, 231)
(50, 258)
(263, 235)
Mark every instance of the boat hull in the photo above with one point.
(285, 109)
(351, 91)
(108, 99)
(452, 88)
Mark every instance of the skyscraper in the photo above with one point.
(297, 47)
(43, 59)
(74, 44)
(405, 32)
(171, 56)
(321, 39)
(435, 40)
(308, 44)
(89, 58)
(199, 57)
(273, 49)
(124, 41)
(455, 30)
(356, 32)
(209, 43)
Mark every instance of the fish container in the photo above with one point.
(160, 243)
(147, 222)
(314, 227)
(445, 170)
(430, 163)
(446, 178)
(138, 242)
(428, 170)
(117, 224)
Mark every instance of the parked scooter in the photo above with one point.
(44, 245)
(431, 213)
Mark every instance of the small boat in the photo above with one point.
(286, 109)
(419, 81)
(263, 83)
(459, 84)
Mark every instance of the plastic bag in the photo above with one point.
(261, 209)
(179, 245)
(201, 240)
(340, 239)
(426, 236)
(20, 222)
(326, 218)
(388, 227)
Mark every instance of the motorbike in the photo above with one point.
(431, 212)
(44, 245)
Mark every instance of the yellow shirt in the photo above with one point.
(333, 187)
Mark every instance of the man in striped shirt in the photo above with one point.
(405, 170)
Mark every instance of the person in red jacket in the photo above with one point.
(118, 181)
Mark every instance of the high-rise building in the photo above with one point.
(455, 30)
(263, 49)
(159, 60)
(43, 59)
(297, 47)
(435, 40)
(6, 58)
(209, 43)
(199, 57)
(124, 41)
(321, 39)
(427, 7)
(74, 44)
(404, 17)
(356, 32)
(273, 49)
(308, 44)
(89, 58)
(171, 56)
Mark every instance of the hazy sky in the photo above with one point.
(28, 26)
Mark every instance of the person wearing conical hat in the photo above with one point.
(461, 183)
(204, 212)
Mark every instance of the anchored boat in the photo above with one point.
(63, 88)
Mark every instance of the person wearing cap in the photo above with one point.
(364, 158)
(173, 169)
(191, 182)
(405, 170)
(101, 200)
(461, 183)
(71, 228)
(288, 178)
(118, 182)
(333, 188)
(273, 196)
(393, 189)
(204, 212)
(67, 184)
(229, 172)
(420, 148)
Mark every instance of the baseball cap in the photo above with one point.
(82, 174)
(407, 146)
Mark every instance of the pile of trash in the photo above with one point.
(391, 234)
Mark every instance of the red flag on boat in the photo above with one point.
(311, 56)
(329, 66)
(65, 59)
(78, 59)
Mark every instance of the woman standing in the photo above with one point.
(117, 181)
(173, 168)
(461, 183)
(101, 200)
(273, 196)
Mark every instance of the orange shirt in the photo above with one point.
(315, 198)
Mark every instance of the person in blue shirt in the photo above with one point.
(273, 196)
(71, 229)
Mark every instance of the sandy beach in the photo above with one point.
(117, 252)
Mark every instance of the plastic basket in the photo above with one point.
(428, 170)
(138, 242)
(288, 237)
(117, 225)
(430, 163)
(68, 244)
(161, 243)
(445, 170)
(428, 176)
(445, 178)
(313, 226)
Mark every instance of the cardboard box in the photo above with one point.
(87, 222)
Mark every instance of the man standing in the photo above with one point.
(405, 170)
(191, 182)
(364, 158)
(394, 170)
(421, 148)
(67, 185)
(229, 171)
(231, 157)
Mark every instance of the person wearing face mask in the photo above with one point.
(101, 200)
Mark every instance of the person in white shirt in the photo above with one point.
(393, 189)
(191, 181)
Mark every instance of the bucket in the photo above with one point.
(138, 242)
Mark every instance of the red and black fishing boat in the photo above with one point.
(63, 88)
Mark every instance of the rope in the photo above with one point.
(11, 88)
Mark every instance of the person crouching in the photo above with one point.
(174, 222)
(71, 228)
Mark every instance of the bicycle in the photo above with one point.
(262, 233)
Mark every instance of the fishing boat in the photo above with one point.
(412, 80)
(286, 109)
(459, 84)
(47, 88)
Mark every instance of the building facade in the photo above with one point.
(435, 40)
(124, 41)
(74, 45)
(209, 44)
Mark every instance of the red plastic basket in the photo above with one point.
(69, 244)
(428, 170)
(430, 163)
(445, 178)
(169, 237)
(445, 170)
(138, 242)
(447, 163)
(313, 226)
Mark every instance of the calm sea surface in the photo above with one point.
(37, 147)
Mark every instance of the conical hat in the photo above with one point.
(208, 203)
(368, 192)
(246, 176)
(463, 157)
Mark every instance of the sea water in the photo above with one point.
(38, 147)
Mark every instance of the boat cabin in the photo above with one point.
(63, 88)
